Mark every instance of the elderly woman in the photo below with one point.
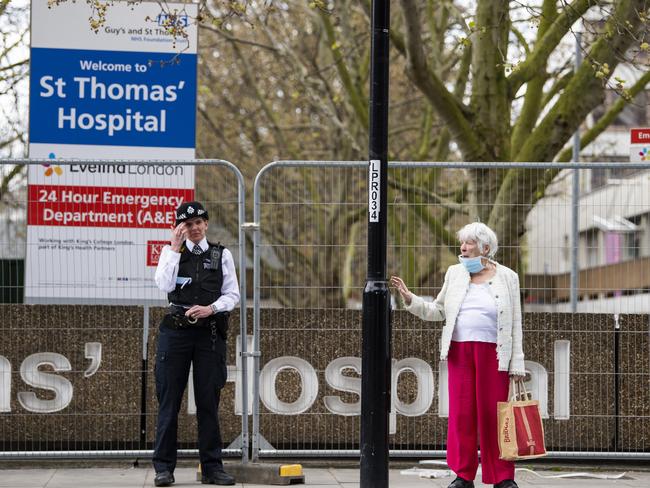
(482, 343)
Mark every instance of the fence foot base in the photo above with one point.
(264, 473)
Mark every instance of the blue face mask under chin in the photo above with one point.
(473, 265)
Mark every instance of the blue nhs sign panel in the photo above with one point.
(130, 82)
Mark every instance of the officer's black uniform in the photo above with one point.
(202, 344)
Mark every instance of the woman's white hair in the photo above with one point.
(482, 235)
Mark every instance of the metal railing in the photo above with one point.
(590, 369)
(101, 401)
(310, 220)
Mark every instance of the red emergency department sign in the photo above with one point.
(640, 144)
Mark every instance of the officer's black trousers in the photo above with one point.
(177, 350)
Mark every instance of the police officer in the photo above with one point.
(202, 288)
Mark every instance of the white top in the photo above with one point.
(505, 289)
(167, 272)
(477, 317)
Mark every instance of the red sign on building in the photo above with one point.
(640, 136)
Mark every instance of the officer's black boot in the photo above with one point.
(164, 478)
(218, 478)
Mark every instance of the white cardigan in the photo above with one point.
(504, 287)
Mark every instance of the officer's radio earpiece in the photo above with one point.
(215, 257)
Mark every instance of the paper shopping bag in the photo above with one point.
(521, 433)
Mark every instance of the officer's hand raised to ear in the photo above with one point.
(179, 234)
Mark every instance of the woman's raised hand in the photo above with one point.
(403, 290)
(179, 235)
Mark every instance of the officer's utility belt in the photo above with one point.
(176, 319)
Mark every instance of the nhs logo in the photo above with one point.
(172, 20)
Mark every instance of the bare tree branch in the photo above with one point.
(448, 107)
(606, 120)
(545, 46)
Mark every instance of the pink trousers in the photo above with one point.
(475, 387)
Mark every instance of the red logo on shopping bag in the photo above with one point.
(506, 430)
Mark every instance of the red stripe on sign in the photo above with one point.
(103, 206)
(640, 136)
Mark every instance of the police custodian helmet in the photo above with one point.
(190, 210)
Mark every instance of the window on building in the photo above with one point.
(600, 177)
(631, 246)
(634, 240)
(591, 243)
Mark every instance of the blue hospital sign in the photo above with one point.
(112, 98)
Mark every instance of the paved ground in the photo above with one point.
(316, 477)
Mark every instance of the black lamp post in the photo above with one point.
(376, 348)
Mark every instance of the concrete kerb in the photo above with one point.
(257, 473)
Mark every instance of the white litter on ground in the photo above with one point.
(586, 475)
(427, 473)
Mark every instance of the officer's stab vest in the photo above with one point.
(206, 273)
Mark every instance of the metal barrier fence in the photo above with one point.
(76, 378)
(77, 364)
(588, 367)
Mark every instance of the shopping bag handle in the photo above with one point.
(518, 390)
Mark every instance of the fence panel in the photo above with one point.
(76, 372)
(310, 265)
(77, 378)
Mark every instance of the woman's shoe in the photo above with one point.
(506, 484)
(461, 483)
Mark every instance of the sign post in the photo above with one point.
(126, 90)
